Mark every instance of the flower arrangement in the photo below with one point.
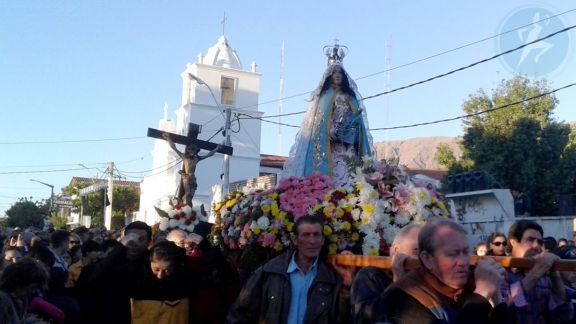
(181, 216)
(266, 218)
(363, 217)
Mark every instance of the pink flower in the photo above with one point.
(284, 184)
(269, 240)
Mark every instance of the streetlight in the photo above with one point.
(226, 178)
(51, 193)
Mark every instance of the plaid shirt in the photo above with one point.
(538, 305)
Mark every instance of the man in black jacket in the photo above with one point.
(111, 278)
(295, 287)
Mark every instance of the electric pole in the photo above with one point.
(108, 214)
(226, 180)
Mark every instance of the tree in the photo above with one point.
(26, 213)
(126, 200)
(58, 222)
(521, 146)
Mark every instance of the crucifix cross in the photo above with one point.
(190, 156)
(191, 139)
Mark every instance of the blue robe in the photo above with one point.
(352, 132)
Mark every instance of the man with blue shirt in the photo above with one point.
(295, 287)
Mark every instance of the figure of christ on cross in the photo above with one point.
(190, 158)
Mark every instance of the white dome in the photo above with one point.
(222, 55)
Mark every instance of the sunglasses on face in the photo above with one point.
(500, 243)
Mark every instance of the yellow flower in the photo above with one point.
(327, 230)
(355, 236)
(278, 246)
(359, 186)
(332, 248)
(423, 195)
(433, 200)
(290, 227)
(368, 209)
(274, 195)
(328, 210)
(266, 209)
(441, 205)
(256, 230)
(373, 252)
(248, 234)
(346, 226)
(230, 203)
(339, 212)
(357, 225)
(273, 229)
(274, 208)
(334, 238)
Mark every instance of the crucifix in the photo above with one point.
(190, 156)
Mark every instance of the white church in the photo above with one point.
(216, 82)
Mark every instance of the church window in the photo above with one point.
(227, 86)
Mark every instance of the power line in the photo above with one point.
(74, 141)
(462, 46)
(435, 77)
(471, 65)
(409, 63)
(476, 113)
(159, 172)
(40, 171)
(156, 168)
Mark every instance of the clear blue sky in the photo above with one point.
(87, 70)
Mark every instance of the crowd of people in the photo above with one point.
(132, 276)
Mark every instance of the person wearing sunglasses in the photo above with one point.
(497, 244)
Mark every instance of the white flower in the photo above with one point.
(401, 219)
(263, 222)
(390, 233)
(190, 228)
(173, 223)
(356, 214)
(182, 226)
(367, 160)
(187, 210)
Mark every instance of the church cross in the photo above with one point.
(223, 22)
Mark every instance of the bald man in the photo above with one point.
(177, 236)
(370, 283)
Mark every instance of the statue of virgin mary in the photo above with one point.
(334, 132)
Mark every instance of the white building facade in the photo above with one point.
(214, 83)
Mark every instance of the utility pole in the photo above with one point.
(108, 214)
(51, 193)
(226, 180)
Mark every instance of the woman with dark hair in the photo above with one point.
(497, 244)
(19, 283)
(334, 131)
